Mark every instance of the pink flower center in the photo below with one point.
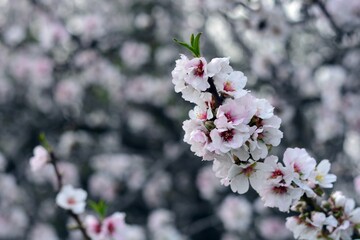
(228, 135)
(276, 173)
(199, 71)
(97, 228)
(111, 228)
(228, 87)
(260, 136)
(202, 116)
(71, 201)
(297, 168)
(229, 117)
(248, 171)
(279, 189)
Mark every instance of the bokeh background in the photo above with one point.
(95, 77)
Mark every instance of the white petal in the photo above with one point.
(240, 184)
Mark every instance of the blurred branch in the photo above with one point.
(244, 5)
(201, 225)
(338, 31)
(238, 39)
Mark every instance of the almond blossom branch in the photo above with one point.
(237, 132)
(53, 161)
(73, 200)
(67, 197)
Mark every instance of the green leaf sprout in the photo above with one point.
(194, 46)
(99, 207)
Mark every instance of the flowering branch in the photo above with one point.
(236, 131)
(52, 159)
(74, 202)
(60, 184)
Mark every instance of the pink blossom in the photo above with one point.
(207, 183)
(201, 113)
(233, 113)
(235, 213)
(279, 195)
(232, 84)
(114, 225)
(219, 68)
(222, 141)
(93, 227)
(300, 161)
(40, 159)
(197, 75)
(273, 228)
(198, 137)
(183, 71)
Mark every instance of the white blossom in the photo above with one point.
(71, 198)
(241, 175)
(321, 175)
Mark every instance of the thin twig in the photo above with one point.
(57, 171)
(81, 227)
(53, 161)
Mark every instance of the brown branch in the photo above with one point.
(79, 223)
(53, 161)
(212, 89)
(57, 171)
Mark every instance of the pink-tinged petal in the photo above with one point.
(240, 184)
(324, 166)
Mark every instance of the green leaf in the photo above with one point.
(185, 45)
(319, 191)
(99, 207)
(196, 45)
(43, 141)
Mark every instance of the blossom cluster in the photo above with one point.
(234, 122)
(335, 218)
(74, 201)
(236, 131)
(112, 227)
